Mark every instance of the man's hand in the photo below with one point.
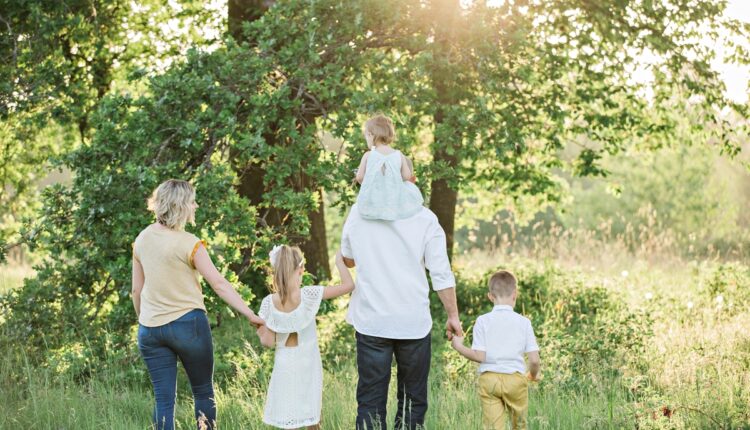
(348, 262)
(453, 328)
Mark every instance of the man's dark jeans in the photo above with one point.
(374, 357)
(189, 339)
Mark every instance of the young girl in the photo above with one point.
(295, 392)
(387, 192)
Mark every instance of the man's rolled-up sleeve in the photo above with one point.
(436, 258)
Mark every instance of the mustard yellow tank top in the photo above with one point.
(172, 285)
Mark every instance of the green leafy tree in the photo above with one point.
(260, 103)
(506, 87)
(57, 62)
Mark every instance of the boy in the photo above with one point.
(501, 338)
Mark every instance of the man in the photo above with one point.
(390, 310)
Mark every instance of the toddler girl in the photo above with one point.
(295, 392)
(387, 192)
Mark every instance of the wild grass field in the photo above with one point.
(625, 344)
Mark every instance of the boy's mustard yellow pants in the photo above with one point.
(501, 395)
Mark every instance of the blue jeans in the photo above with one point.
(374, 357)
(189, 339)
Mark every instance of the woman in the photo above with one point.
(169, 303)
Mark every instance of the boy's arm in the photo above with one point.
(362, 168)
(267, 336)
(535, 364)
(347, 283)
(532, 352)
(472, 354)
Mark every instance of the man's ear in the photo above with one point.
(490, 297)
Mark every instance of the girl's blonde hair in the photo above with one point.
(288, 260)
(172, 203)
(381, 128)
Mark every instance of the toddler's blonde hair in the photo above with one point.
(172, 203)
(288, 260)
(381, 128)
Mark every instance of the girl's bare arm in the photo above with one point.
(347, 282)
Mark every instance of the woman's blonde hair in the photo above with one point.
(381, 128)
(172, 203)
(287, 261)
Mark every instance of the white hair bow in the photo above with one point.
(274, 255)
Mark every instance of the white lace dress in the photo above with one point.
(295, 393)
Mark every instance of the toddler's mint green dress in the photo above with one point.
(384, 194)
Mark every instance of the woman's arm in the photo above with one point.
(347, 283)
(362, 168)
(137, 285)
(221, 286)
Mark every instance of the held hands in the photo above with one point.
(343, 262)
(339, 259)
(456, 341)
(453, 328)
(255, 320)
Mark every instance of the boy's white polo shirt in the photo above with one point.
(505, 337)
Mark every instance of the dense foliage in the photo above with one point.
(485, 98)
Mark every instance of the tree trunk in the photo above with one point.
(241, 11)
(315, 246)
(443, 198)
(446, 145)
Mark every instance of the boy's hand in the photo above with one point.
(457, 340)
(531, 377)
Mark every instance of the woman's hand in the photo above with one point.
(255, 320)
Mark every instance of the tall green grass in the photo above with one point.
(691, 372)
(40, 400)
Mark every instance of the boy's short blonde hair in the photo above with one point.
(381, 128)
(502, 284)
(172, 203)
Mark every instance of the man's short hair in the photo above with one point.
(502, 284)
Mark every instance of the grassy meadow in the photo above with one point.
(625, 344)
